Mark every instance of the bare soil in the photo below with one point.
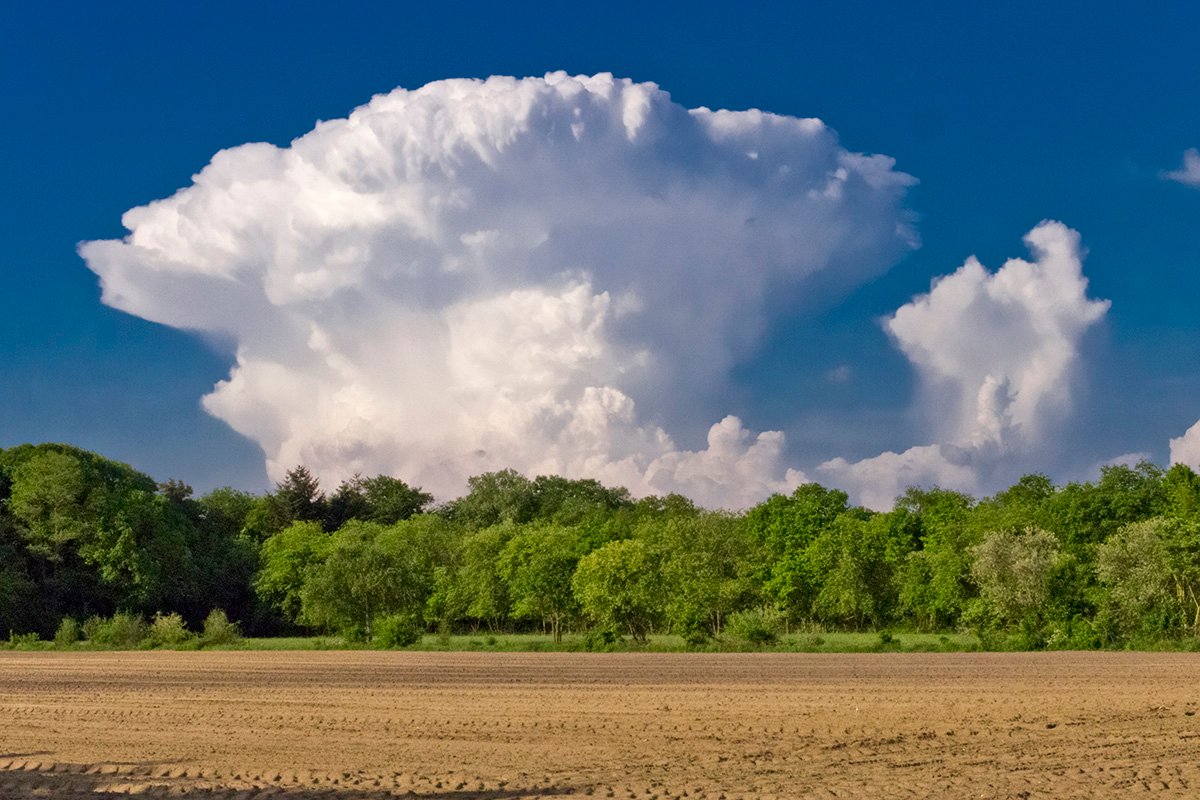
(300, 725)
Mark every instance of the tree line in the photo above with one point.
(1109, 563)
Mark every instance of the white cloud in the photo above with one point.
(996, 354)
(550, 274)
(876, 482)
(1186, 448)
(1189, 173)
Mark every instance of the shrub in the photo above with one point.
(119, 630)
(693, 629)
(600, 639)
(354, 633)
(91, 626)
(168, 630)
(219, 630)
(757, 626)
(397, 630)
(67, 633)
(23, 640)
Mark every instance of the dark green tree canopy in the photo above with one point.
(1110, 562)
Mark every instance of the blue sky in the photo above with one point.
(1006, 117)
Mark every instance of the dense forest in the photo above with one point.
(1110, 563)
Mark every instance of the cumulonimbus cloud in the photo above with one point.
(996, 354)
(551, 274)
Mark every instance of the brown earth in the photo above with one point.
(497, 726)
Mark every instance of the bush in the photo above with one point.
(354, 633)
(757, 626)
(67, 633)
(23, 640)
(692, 627)
(601, 639)
(168, 630)
(120, 630)
(91, 626)
(397, 630)
(219, 630)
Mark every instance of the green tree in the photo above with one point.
(1138, 599)
(298, 496)
(98, 534)
(619, 587)
(494, 498)
(537, 565)
(49, 495)
(1181, 538)
(383, 500)
(224, 558)
(1015, 572)
(569, 502)
(857, 560)
(709, 564)
(285, 561)
(19, 604)
(355, 582)
(1181, 490)
(477, 590)
(1085, 514)
(786, 526)
(934, 582)
(369, 572)
(227, 509)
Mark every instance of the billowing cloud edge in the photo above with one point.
(996, 355)
(543, 273)
(1185, 449)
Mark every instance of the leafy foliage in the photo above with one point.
(397, 630)
(618, 586)
(167, 630)
(537, 566)
(1015, 571)
(219, 630)
(67, 633)
(755, 626)
(121, 630)
(1111, 562)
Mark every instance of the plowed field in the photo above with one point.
(495, 726)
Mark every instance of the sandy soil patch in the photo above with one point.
(524, 725)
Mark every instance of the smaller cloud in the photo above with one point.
(1123, 460)
(876, 482)
(1189, 173)
(996, 354)
(1186, 448)
(841, 374)
(736, 470)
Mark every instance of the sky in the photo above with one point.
(633, 254)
